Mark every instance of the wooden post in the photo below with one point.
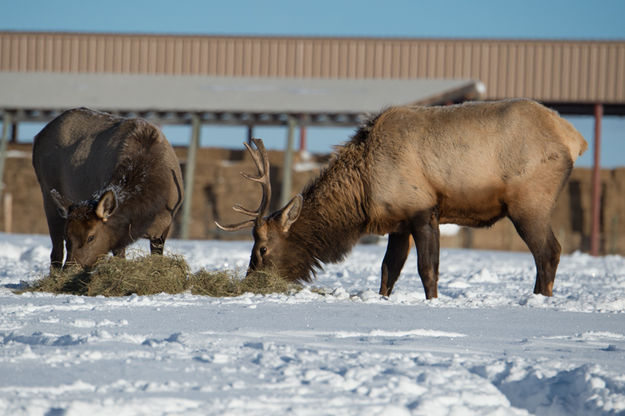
(189, 173)
(6, 122)
(8, 212)
(595, 228)
(287, 177)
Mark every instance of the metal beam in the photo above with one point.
(595, 228)
(207, 117)
(189, 174)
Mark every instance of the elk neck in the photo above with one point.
(333, 216)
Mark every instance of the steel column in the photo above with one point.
(250, 134)
(302, 133)
(595, 228)
(14, 128)
(189, 174)
(6, 122)
(288, 164)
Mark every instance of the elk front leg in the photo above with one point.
(394, 259)
(56, 226)
(157, 245)
(57, 253)
(427, 241)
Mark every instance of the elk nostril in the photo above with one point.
(253, 265)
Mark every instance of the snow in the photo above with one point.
(486, 346)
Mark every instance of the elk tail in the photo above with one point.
(574, 140)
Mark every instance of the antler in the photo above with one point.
(262, 164)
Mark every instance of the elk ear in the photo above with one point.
(62, 204)
(106, 205)
(290, 213)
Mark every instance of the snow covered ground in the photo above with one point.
(485, 347)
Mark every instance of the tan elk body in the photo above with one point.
(106, 182)
(410, 169)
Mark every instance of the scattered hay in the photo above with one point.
(71, 280)
(221, 284)
(152, 274)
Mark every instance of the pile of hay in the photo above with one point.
(148, 275)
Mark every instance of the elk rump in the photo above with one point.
(409, 169)
(106, 182)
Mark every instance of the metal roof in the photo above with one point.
(221, 100)
(573, 74)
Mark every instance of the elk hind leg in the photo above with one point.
(543, 245)
(394, 259)
(426, 235)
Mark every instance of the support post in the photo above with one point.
(302, 133)
(7, 202)
(287, 177)
(250, 134)
(14, 127)
(189, 173)
(595, 228)
(6, 122)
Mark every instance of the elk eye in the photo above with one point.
(90, 238)
(263, 250)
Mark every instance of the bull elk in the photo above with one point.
(106, 182)
(409, 169)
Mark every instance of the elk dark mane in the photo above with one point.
(334, 214)
(134, 174)
(362, 134)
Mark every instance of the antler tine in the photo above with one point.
(242, 210)
(236, 227)
(259, 156)
(260, 159)
(262, 163)
(259, 179)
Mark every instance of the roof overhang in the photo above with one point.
(39, 96)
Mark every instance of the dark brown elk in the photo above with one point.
(409, 169)
(106, 182)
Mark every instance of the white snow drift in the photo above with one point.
(487, 346)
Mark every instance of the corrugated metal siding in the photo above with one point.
(558, 71)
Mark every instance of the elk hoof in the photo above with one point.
(544, 289)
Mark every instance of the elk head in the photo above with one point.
(86, 233)
(270, 250)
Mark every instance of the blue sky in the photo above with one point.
(533, 19)
(566, 19)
